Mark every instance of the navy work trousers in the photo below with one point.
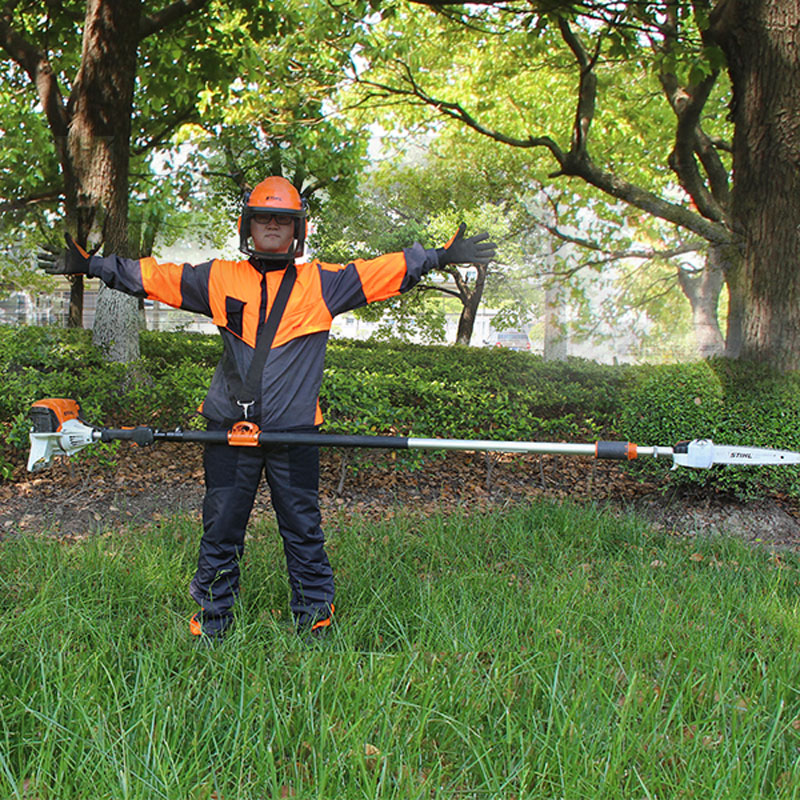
(232, 475)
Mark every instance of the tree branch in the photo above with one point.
(690, 140)
(31, 200)
(611, 256)
(650, 252)
(587, 92)
(38, 68)
(178, 10)
(577, 162)
(650, 202)
(169, 125)
(432, 287)
(687, 103)
(458, 112)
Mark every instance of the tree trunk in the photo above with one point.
(734, 336)
(702, 289)
(75, 312)
(98, 145)
(555, 331)
(466, 322)
(470, 301)
(761, 39)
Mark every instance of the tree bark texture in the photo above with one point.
(466, 323)
(75, 312)
(761, 40)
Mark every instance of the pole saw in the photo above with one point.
(58, 431)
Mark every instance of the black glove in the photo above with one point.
(475, 250)
(72, 261)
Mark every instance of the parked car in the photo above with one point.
(513, 340)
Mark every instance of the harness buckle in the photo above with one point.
(245, 407)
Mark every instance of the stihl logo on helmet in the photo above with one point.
(274, 195)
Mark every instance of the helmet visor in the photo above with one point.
(265, 216)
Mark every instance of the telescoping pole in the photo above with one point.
(247, 434)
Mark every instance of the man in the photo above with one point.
(287, 308)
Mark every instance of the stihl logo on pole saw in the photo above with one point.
(748, 456)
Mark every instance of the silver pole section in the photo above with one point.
(555, 448)
(551, 448)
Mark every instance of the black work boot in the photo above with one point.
(209, 629)
(315, 624)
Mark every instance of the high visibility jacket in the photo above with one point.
(238, 296)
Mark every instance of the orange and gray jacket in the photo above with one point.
(238, 295)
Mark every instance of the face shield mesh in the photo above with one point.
(298, 245)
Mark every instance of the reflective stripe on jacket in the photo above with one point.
(238, 295)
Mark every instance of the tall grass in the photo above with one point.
(540, 653)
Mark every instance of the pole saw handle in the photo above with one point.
(618, 451)
(140, 435)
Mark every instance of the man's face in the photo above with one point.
(272, 233)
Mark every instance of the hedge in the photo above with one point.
(430, 391)
(729, 402)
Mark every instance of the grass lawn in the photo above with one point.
(545, 652)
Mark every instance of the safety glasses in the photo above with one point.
(281, 219)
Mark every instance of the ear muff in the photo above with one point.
(301, 240)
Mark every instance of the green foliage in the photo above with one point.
(255, 73)
(168, 381)
(483, 79)
(425, 391)
(422, 194)
(729, 402)
(22, 134)
(431, 392)
(459, 392)
(171, 347)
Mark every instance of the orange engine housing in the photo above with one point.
(50, 414)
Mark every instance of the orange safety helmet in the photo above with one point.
(274, 195)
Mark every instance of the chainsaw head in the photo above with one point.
(57, 431)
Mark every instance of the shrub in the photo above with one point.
(431, 391)
(173, 347)
(465, 392)
(729, 402)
